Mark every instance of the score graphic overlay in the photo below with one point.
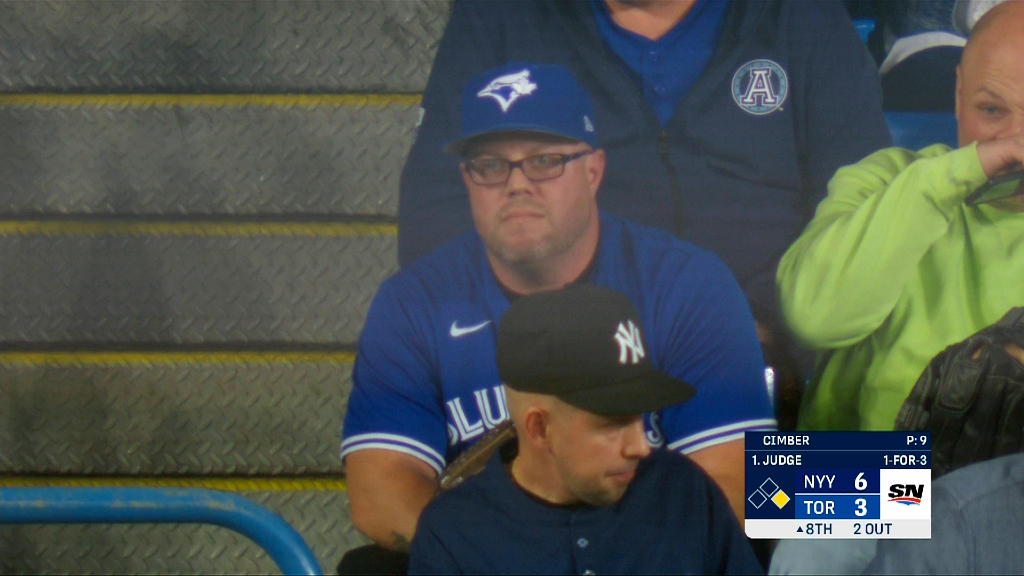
(838, 484)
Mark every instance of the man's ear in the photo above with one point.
(536, 422)
(465, 174)
(595, 169)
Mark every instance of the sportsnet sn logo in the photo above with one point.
(906, 494)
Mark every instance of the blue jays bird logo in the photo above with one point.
(508, 88)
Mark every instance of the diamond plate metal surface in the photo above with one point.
(248, 159)
(155, 419)
(321, 517)
(186, 289)
(224, 46)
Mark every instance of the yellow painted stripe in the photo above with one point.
(176, 358)
(208, 100)
(78, 227)
(210, 483)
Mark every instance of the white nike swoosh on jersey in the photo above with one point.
(455, 331)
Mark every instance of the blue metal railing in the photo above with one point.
(156, 505)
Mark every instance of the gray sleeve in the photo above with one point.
(948, 552)
(821, 556)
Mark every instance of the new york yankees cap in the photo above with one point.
(583, 344)
(525, 97)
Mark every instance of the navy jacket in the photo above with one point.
(671, 520)
(740, 184)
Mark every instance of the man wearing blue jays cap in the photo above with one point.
(425, 382)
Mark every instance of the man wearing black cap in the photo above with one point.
(580, 490)
(425, 382)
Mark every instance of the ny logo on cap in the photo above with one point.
(508, 88)
(629, 343)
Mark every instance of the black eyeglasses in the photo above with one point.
(537, 168)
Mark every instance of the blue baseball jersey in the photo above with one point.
(426, 383)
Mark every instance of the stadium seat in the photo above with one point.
(916, 130)
(864, 26)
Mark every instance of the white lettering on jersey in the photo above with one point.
(508, 88)
(484, 404)
(453, 434)
(492, 406)
(769, 381)
(629, 343)
(465, 429)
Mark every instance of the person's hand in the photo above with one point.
(1001, 156)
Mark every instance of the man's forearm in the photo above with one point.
(390, 522)
(387, 492)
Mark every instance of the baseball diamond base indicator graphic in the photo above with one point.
(838, 484)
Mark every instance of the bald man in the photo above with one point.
(580, 490)
(896, 265)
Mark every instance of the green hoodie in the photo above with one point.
(892, 269)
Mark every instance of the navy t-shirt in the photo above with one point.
(671, 520)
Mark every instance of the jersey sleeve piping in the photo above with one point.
(394, 442)
(720, 435)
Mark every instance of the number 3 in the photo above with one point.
(862, 507)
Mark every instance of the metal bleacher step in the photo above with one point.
(219, 46)
(231, 154)
(189, 282)
(180, 412)
(197, 202)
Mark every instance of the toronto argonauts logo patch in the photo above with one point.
(760, 87)
(508, 88)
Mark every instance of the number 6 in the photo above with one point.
(859, 482)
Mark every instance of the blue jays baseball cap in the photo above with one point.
(524, 97)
